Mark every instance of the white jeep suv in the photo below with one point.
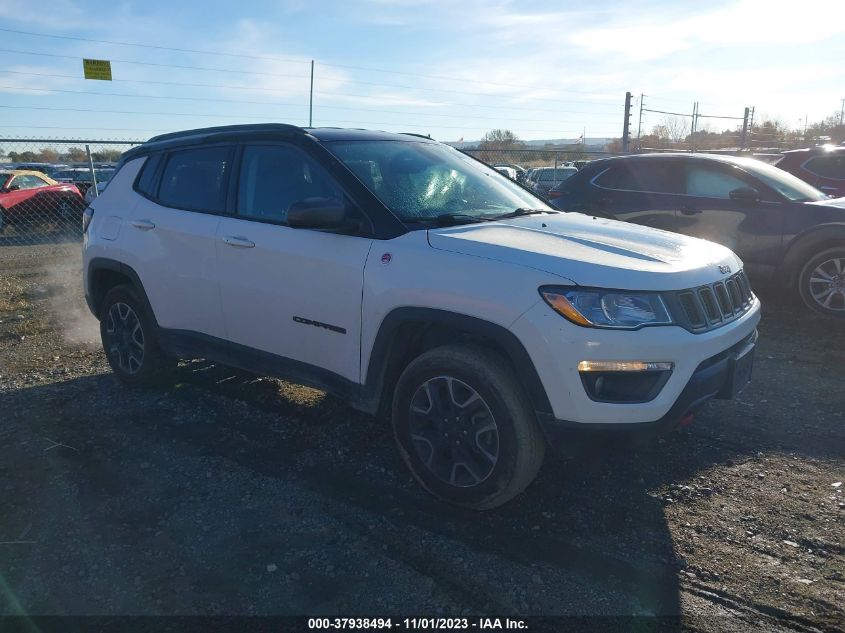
(415, 283)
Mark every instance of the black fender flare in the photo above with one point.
(797, 250)
(389, 351)
(92, 293)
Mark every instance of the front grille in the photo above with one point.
(711, 306)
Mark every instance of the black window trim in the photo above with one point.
(166, 156)
(760, 185)
(817, 174)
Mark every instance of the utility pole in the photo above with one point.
(311, 99)
(640, 123)
(626, 134)
(744, 137)
(694, 125)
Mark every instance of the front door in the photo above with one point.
(295, 293)
(752, 229)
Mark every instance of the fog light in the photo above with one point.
(622, 365)
(621, 382)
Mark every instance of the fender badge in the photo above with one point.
(724, 269)
(385, 259)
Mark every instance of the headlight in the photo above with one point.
(607, 308)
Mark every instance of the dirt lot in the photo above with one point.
(226, 493)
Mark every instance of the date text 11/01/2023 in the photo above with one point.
(417, 623)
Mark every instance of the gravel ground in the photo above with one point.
(227, 493)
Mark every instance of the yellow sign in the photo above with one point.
(97, 69)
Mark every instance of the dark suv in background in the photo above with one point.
(823, 167)
(785, 230)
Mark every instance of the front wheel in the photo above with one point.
(821, 282)
(465, 428)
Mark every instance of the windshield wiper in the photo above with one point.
(516, 213)
(451, 219)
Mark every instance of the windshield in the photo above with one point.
(421, 181)
(786, 184)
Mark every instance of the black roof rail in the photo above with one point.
(230, 129)
(427, 136)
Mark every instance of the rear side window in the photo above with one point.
(832, 167)
(146, 181)
(195, 179)
(648, 176)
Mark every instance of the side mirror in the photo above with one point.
(745, 194)
(13, 188)
(317, 213)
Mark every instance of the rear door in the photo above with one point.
(752, 229)
(295, 293)
(643, 191)
(171, 235)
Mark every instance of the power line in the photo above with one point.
(278, 75)
(266, 118)
(270, 103)
(280, 59)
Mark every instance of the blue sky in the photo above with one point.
(451, 69)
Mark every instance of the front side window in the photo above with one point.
(195, 179)
(420, 181)
(711, 182)
(648, 176)
(272, 178)
(789, 186)
(832, 167)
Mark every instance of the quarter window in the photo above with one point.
(272, 178)
(146, 181)
(195, 179)
(708, 182)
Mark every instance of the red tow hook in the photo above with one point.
(686, 420)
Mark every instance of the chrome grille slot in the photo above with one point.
(710, 307)
(733, 292)
(693, 313)
(723, 298)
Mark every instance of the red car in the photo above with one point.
(31, 197)
(823, 167)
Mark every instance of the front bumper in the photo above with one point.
(556, 347)
(712, 379)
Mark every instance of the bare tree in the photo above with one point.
(671, 131)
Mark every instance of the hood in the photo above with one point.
(592, 252)
(838, 203)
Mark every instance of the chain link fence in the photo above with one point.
(45, 185)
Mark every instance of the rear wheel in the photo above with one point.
(821, 282)
(3, 222)
(464, 427)
(129, 339)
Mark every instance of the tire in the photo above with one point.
(473, 388)
(129, 340)
(821, 282)
(3, 222)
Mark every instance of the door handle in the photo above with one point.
(144, 225)
(688, 210)
(240, 242)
